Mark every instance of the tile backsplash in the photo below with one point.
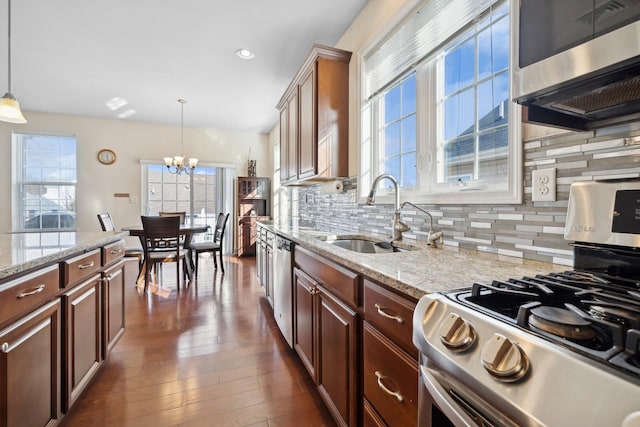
(532, 230)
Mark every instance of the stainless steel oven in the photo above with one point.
(554, 349)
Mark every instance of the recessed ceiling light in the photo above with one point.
(245, 54)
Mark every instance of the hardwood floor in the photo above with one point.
(208, 355)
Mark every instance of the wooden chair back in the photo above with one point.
(161, 233)
(182, 215)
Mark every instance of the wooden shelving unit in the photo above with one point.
(254, 204)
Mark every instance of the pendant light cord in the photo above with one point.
(9, 49)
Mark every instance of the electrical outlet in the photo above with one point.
(543, 185)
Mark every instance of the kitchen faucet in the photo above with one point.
(432, 236)
(398, 226)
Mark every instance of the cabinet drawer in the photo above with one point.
(113, 252)
(341, 282)
(391, 314)
(25, 293)
(81, 267)
(390, 379)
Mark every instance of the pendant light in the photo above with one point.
(176, 164)
(9, 106)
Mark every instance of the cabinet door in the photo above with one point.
(338, 358)
(304, 337)
(30, 369)
(261, 253)
(113, 307)
(83, 336)
(292, 138)
(284, 144)
(268, 271)
(307, 146)
(246, 237)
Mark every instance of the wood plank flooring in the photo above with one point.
(208, 355)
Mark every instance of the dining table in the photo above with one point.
(186, 230)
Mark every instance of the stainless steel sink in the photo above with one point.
(366, 245)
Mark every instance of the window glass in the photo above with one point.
(45, 182)
(476, 105)
(399, 131)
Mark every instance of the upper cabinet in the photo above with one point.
(314, 118)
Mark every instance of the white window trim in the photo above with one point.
(368, 163)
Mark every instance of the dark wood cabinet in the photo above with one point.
(314, 118)
(253, 205)
(390, 360)
(326, 331)
(112, 306)
(57, 325)
(30, 369)
(337, 373)
(304, 320)
(82, 309)
(264, 261)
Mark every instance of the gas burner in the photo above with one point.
(561, 322)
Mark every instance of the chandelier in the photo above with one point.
(176, 164)
(9, 106)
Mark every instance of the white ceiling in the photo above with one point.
(72, 56)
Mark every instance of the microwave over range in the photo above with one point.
(577, 62)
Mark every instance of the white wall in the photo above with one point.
(132, 142)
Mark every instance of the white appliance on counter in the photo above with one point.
(557, 349)
(283, 287)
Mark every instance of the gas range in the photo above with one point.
(554, 349)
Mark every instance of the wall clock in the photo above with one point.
(106, 156)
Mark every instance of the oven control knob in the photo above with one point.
(457, 334)
(504, 359)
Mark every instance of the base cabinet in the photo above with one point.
(83, 338)
(326, 333)
(112, 306)
(30, 369)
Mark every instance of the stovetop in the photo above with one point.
(595, 316)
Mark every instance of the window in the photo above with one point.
(45, 178)
(212, 187)
(436, 111)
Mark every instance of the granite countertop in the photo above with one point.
(421, 271)
(22, 252)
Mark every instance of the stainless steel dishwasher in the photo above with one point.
(282, 287)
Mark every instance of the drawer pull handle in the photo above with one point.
(385, 389)
(83, 266)
(5, 347)
(115, 251)
(32, 291)
(383, 313)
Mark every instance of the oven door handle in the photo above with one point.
(440, 396)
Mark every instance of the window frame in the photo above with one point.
(427, 190)
(19, 182)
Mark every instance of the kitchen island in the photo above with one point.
(61, 312)
(352, 312)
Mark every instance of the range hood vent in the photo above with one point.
(589, 103)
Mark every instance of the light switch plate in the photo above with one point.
(543, 185)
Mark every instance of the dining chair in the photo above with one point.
(161, 237)
(214, 245)
(135, 251)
